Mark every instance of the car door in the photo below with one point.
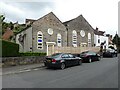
(73, 60)
(66, 58)
(91, 55)
(94, 56)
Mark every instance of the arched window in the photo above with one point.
(59, 40)
(74, 38)
(39, 40)
(89, 40)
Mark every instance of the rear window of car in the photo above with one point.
(56, 55)
(65, 56)
(85, 52)
(71, 56)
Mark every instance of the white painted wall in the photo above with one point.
(25, 47)
(102, 39)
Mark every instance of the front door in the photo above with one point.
(50, 48)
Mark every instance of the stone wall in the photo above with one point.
(79, 24)
(12, 61)
(73, 50)
(43, 24)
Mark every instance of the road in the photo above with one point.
(98, 74)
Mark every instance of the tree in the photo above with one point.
(1, 21)
(2, 18)
(116, 40)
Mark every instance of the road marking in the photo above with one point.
(28, 70)
(35, 69)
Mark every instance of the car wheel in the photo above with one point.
(62, 66)
(112, 55)
(79, 62)
(90, 60)
(99, 58)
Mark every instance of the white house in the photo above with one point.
(100, 39)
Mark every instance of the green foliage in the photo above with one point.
(2, 18)
(18, 29)
(32, 54)
(9, 49)
(116, 40)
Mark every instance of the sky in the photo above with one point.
(99, 13)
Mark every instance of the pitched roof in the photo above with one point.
(51, 13)
(31, 20)
(80, 16)
(7, 34)
(97, 32)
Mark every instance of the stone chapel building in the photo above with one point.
(49, 30)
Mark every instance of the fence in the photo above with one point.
(72, 50)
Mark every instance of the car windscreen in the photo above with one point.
(56, 55)
(84, 52)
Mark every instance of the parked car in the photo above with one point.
(89, 56)
(62, 60)
(110, 53)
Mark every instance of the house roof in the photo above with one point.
(80, 16)
(51, 13)
(7, 34)
(31, 20)
(97, 32)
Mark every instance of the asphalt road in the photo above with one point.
(98, 74)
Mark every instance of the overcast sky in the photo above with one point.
(99, 13)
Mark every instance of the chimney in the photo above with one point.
(96, 28)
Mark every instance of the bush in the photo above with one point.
(32, 54)
(9, 49)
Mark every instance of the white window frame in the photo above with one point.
(39, 37)
(89, 39)
(74, 38)
(59, 40)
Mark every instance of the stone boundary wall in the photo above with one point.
(13, 61)
(73, 50)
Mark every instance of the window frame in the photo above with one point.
(74, 38)
(59, 40)
(39, 37)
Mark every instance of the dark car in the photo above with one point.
(89, 56)
(110, 52)
(62, 60)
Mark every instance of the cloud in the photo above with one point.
(100, 13)
(11, 12)
(15, 11)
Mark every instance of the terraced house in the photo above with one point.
(49, 30)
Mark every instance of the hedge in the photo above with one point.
(9, 49)
(32, 54)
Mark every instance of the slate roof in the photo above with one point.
(31, 20)
(80, 16)
(101, 33)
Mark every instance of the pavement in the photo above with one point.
(20, 68)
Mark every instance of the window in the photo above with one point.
(98, 40)
(74, 38)
(89, 40)
(71, 56)
(59, 40)
(65, 56)
(91, 53)
(39, 40)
